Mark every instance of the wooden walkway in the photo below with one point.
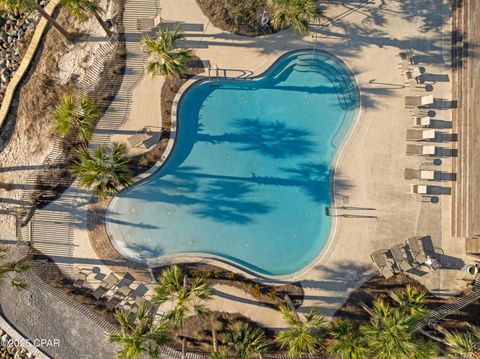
(466, 118)
(445, 310)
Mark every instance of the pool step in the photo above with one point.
(346, 88)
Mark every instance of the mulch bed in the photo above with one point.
(379, 287)
(199, 335)
(49, 272)
(269, 295)
(239, 17)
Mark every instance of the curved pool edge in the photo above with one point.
(199, 257)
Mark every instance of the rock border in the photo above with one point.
(25, 347)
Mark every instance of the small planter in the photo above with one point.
(471, 269)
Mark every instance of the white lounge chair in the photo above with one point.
(411, 174)
(423, 121)
(420, 189)
(420, 150)
(418, 101)
(420, 135)
(147, 25)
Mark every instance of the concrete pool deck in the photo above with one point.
(380, 211)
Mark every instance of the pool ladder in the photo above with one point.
(217, 76)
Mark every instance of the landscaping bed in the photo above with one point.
(240, 17)
(269, 295)
(379, 287)
(48, 271)
(199, 334)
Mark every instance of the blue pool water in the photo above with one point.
(249, 176)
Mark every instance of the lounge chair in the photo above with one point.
(423, 121)
(124, 291)
(420, 135)
(125, 280)
(139, 138)
(418, 101)
(80, 280)
(147, 25)
(99, 292)
(421, 150)
(380, 260)
(432, 263)
(420, 189)
(110, 281)
(113, 302)
(410, 174)
(412, 76)
(419, 111)
(107, 283)
(415, 245)
(406, 56)
(400, 258)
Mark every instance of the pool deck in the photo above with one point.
(381, 212)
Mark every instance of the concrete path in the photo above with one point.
(235, 300)
(380, 211)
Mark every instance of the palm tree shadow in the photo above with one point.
(270, 138)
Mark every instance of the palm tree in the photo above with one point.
(463, 345)
(390, 334)
(18, 6)
(410, 300)
(295, 13)
(81, 8)
(165, 58)
(187, 296)
(105, 170)
(76, 115)
(220, 355)
(302, 336)
(347, 342)
(215, 326)
(10, 270)
(139, 336)
(246, 340)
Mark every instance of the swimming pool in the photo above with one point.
(248, 178)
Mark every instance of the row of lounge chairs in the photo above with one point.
(403, 257)
(116, 290)
(420, 119)
(413, 74)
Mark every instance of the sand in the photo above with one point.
(59, 69)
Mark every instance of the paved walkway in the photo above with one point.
(367, 36)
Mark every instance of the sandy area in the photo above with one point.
(31, 140)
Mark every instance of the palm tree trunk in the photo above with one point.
(366, 308)
(184, 347)
(431, 336)
(214, 340)
(103, 24)
(52, 21)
